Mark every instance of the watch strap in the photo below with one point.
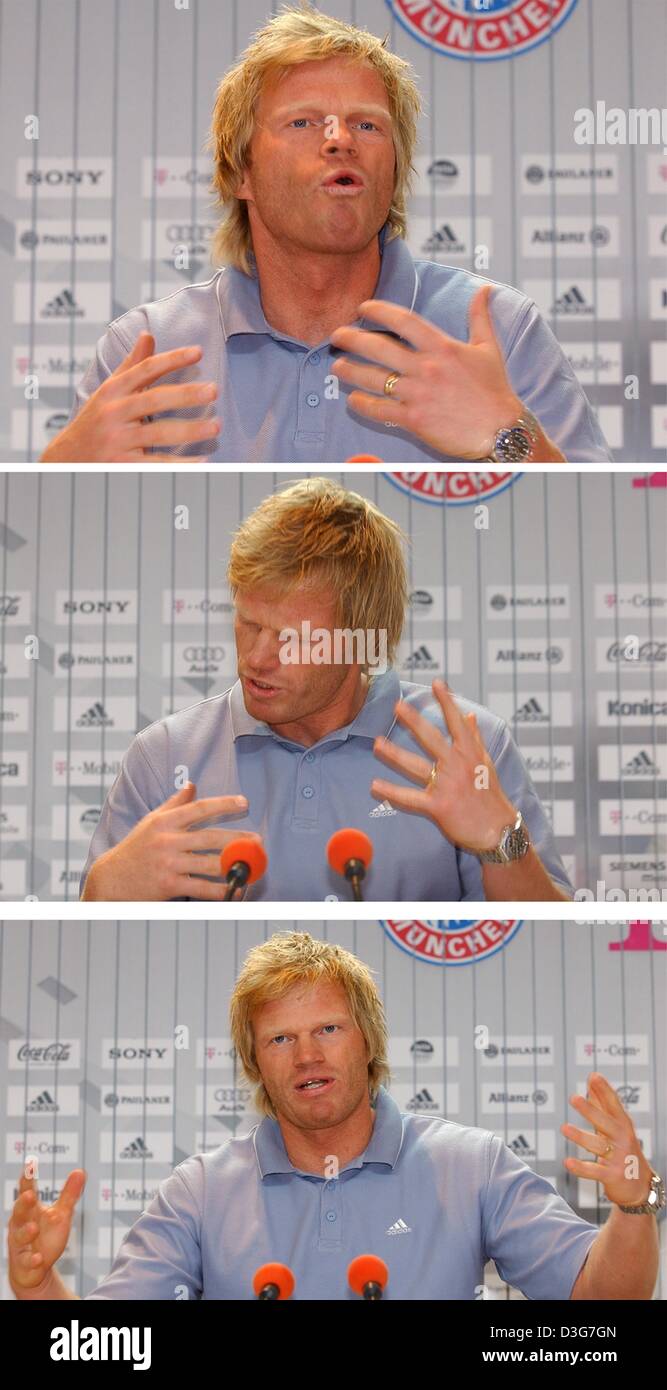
(648, 1208)
(513, 844)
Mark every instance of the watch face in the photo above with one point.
(509, 446)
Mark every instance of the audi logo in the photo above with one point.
(204, 653)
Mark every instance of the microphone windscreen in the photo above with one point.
(349, 844)
(281, 1275)
(249, 852)
(364, 1269)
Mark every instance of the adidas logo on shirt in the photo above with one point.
(399, 1228)
(384, 809)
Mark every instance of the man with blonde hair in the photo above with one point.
(313, 136)
(288, 752)
(335, 1170)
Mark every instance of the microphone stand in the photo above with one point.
(355, 872)
(237, 877)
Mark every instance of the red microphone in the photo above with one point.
(242, 861)
(368, 1276)
(273, 1281)
(349, 853)
(364, 458)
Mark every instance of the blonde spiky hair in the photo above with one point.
(299, 34)
(291, 958)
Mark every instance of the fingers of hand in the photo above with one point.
(201, 888)
(184, 395)
(455, 721)
(382, 410)
(371, 379)
(583, 1169)
(404, 798)
(595, 1116)
(23, 1236)
(410, 764)
(410, 326)
(71, 1191)
(605, 1095)
(594, 1143)
(213, 838)
(144, 373)
(195, 811)
(377, 347)
(169, 432)
(143, 347)
(426, 734)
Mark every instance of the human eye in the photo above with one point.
(279, 1037)
(370, 124)
(328, 1027)
(299, 121)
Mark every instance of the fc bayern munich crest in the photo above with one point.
(481, 29)
(451, 943)
(452, 489)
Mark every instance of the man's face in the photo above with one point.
(309, 1035)
(276, 691)
(292, 154)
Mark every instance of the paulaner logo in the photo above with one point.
(75, 1343)
(341, 647)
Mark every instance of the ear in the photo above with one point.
(244, 190)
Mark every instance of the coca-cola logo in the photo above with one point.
(53, 1052)
(650, 652)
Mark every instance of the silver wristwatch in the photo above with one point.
(513, 844)
(655, 1201)
(515, 443)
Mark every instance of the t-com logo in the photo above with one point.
(451, 943)
(452, 489)
(481, 29)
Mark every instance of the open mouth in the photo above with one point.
(261, 689)
(345, 184)
(316, 1085)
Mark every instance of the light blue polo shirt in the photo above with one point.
(299, 796)
(274, 398)
(435, 1200)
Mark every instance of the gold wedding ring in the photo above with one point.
(433, 775)
(390, 383)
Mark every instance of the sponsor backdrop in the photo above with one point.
(99, 210)
(116, 1057)
(541, 596)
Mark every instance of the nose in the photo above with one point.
(340, 137)
(307, 1051)
(263, 654)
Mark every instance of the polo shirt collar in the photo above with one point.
(241, 307)
(376, 715)
(384, 1145)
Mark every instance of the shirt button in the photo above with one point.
(312, 399)
(315, 357)
(331, 1216)
(307, 792)
(310, 757)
